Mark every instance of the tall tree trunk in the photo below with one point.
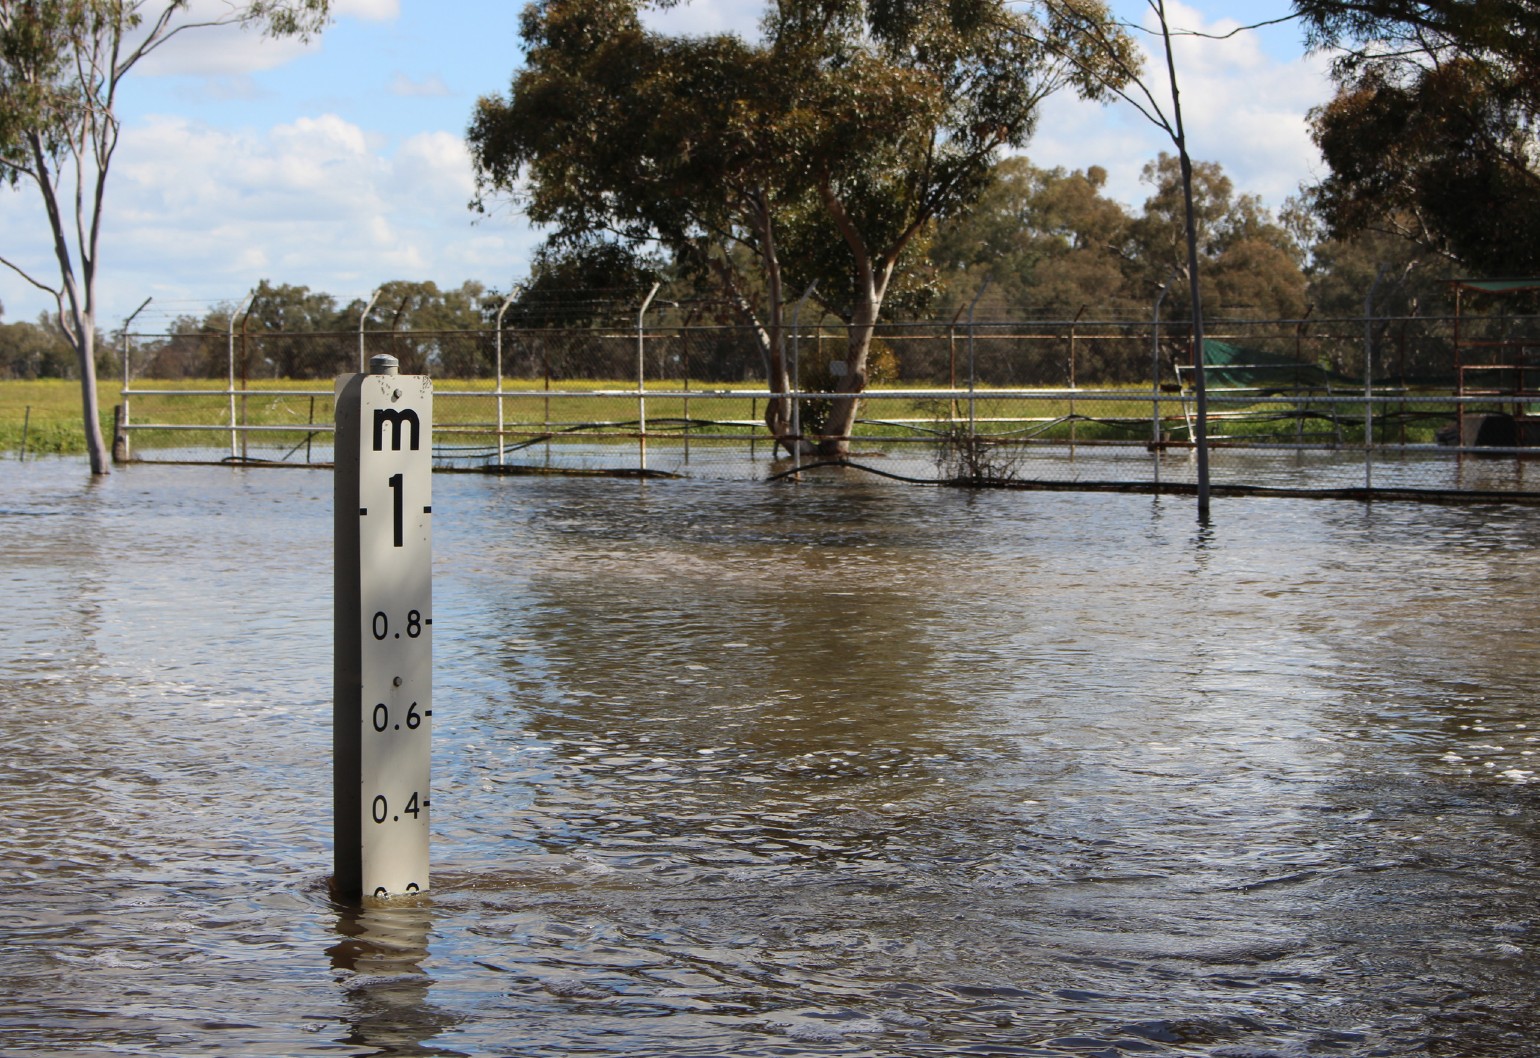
(778, 412)
(1200, 384)
(835, 442)
(96, 444)
(779, 419)
(871, 286)
(767, 335)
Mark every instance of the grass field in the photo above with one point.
(48, 413)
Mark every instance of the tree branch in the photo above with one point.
(24, 274)
(1237, 31)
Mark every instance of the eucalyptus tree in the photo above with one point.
(62, 63)
(433, 329)
(1051, 243)
(291, 320)
(1250, 266)
(1055, 245)
(34, 350)
(821, 152)
(1432, 133)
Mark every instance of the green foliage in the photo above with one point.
(825, 151)
(289, 331)
(1250, 266)
(35, 350)
(1431, 134)
(288, 313)
(420, 319)
(61, 62)
(1049, 239)
(1404, 35)
(1343, 270)
(1056, 247)
(581, 283)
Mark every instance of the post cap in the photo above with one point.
(384, 364)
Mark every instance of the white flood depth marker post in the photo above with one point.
(383, 678)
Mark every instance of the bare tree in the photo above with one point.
(61, 65)
(1112, 52)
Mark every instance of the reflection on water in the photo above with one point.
(831, 768)
(380, 959)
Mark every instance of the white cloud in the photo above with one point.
(430, 87)
(227, 51)
(436, 160)
(204, 212)
(1241, 107)
(707, 17)
(222, 52)
(371, 10)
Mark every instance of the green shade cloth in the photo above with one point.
(1497, 286)
(1233, 367)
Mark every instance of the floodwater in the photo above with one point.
(727, 768)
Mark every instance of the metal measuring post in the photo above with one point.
(383, 676)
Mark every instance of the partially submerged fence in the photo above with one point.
(1326, 404)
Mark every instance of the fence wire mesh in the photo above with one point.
(1404, 403)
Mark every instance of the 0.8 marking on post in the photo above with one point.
(395, 558)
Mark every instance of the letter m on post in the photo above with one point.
(395, 418)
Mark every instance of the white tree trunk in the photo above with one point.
(96, 445)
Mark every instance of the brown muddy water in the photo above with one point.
(727, 768)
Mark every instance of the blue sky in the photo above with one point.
(341, 164)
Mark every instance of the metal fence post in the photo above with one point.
(230, 359)
(1379, 274)
(641, 375)
(245, 371)
(127, 447)
(972, 371)
(362, 316)
(796, 375)
(1155, 432)
(498, 368)
(1073, 420)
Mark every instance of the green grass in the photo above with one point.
(49, 411)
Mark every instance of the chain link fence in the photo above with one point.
(1344, 404)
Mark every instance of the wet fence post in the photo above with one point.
(235, 428)
(119, 436)
(498, 369)
(972, 363)
(796, 374)
(121, 450)
(641, 376)
(1073, 418)
(383, 666)
(1374, 287)
(1157, 434)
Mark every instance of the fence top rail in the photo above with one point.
(1133, 393)
(265, 391)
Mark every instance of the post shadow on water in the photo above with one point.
(379, 953)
